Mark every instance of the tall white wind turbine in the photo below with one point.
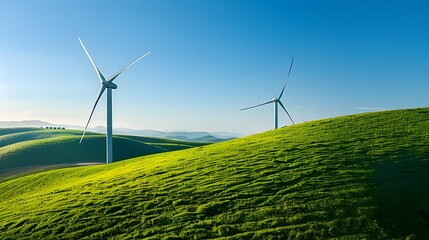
(277, 101)
(109, 85)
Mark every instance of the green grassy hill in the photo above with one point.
(355, 177)
(23, 149)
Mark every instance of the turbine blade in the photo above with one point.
(281, 93)
(92, 112)
(256, 105)
(281, 104)
(290, 69)
(100, 76)
(125, 68)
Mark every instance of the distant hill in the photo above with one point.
(364, 176)
(177, 135)
(23, 149)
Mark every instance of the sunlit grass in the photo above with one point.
(355, 177)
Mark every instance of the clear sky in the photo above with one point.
(209, 59)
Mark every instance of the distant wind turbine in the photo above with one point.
(277, 101)
(109, 85)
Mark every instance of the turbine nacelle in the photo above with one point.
(110, 85)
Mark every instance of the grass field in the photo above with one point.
(355, 177)
(25, 149)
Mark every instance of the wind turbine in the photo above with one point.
(109, 85)
(277, 101)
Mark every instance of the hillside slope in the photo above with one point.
(353, 177)
(22, 149)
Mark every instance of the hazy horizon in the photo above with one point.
(41, 123)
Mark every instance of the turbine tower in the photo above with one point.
(109, 85)
(277, 101)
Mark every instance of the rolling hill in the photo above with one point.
(354, 177)
(26, 149)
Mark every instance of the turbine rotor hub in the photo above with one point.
(110, 85)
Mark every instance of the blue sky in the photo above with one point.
(209, 59)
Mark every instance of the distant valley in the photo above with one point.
(29, 149)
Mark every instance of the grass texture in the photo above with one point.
(354, 177)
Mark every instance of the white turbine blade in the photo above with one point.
(256, 105)
(290, 69)
(281, 104)
(125, 68)
(100, 76)
(92, 112)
